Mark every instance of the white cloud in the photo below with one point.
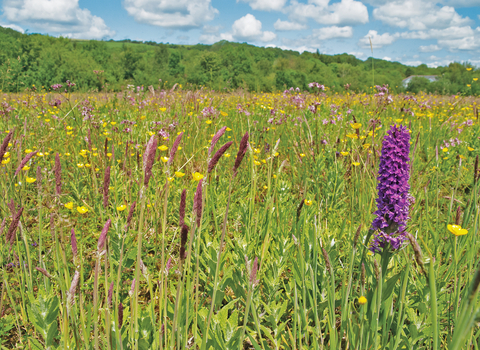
(453, 38)
(378, 40)
(418, 15)
(430, 48)
(250, 28)
(344, 12)
(386, 58)
(266, 5)
(13, 26)
(326, 33)
(287, 25)
(247, 28)
(357, 54)
(460, 3)
(62, 17)
(177, 14)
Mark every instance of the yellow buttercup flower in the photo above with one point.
(344, 153)
(163, 148)
(362, 300)
(197, 176)
(69, 205)
(355, 163)
(25, 167)
(470, 149)
(457, 230)
(302, 155)
(30, 179)
(170, 179)
(356, 125)
(352, 136)
(208, 122)
(164, 159)
(308, 202)
(80, 165)
(179, 174)
(445, 149)
(122, 207)
(82, 209)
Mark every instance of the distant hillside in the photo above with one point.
(41, 60)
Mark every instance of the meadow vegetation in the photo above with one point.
(168, 219)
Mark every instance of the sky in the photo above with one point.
(433, 32)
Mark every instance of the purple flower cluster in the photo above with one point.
(394, 199)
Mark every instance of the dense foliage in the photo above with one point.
(27, 60)
(125, 224)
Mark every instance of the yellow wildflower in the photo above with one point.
(122, 207)
(197, 176)
(82, 209)
(69, 205)
(457, 230)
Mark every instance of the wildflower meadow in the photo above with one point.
(198, 219)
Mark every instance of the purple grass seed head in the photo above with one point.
(4, 146)
(213, 162)
(148, 159)
(242, 149)
(181, 214)
(174, 148)
(110, 295)
(215, 139)
(120, 315)
(24, 161)
(197, 203)
(58, 175)
(103, 235)
(130, 215)
(183, 241)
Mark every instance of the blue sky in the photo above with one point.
(409, 31)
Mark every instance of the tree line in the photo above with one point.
(39, 61)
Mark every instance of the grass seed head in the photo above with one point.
(148, 159)
(43, 272)
(181, 211)
(213, 162)
(215, 139)
(183, 241)
(24, 161)
(242, 149)
(103, 235)
(197, 202)
(174, 148)
(58, 175)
